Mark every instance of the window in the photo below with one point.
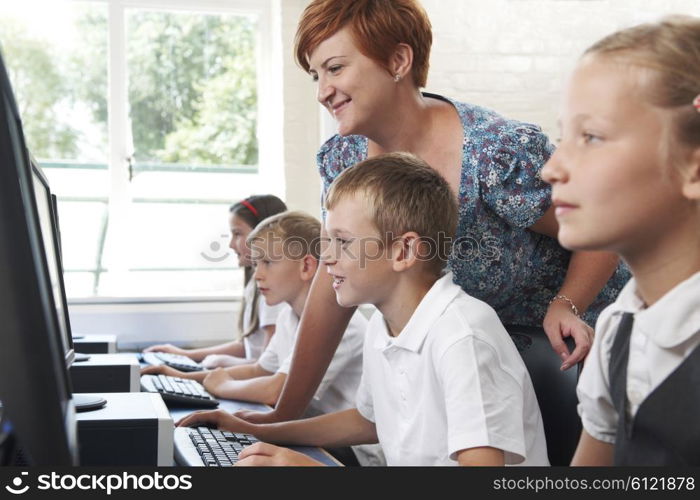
(147, 119)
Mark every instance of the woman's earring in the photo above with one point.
(397, 77)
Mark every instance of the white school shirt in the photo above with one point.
(451, 380)
(339, 385)
(663, 335)
(267, 315)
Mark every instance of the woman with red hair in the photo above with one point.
(369, 59)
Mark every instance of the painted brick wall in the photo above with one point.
(514, 55)
(509, 55)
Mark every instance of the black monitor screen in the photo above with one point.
(34, 384)
(49, 236)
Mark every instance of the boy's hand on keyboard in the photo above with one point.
(219, 361)
(256, 417)
(166, 348)
(215, 379)
(220, 419)
(269, 455)
(161, 370)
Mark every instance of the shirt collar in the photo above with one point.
(670, 321)
(430, 308)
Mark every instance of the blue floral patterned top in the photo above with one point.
(495, 257)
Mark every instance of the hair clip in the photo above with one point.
(696, 103)
(250, 207)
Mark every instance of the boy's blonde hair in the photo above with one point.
(671, 49)
(403, 194)
(299, 233)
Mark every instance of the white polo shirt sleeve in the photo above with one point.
(268, 314)
(484, 402)
(596, 408)
(278, 349)
(348, 355)
(363, 400)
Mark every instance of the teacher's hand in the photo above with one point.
(560, 322)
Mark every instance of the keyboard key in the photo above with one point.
(178, 391)
(218, 448)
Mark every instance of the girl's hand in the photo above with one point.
(269, 455)
(219, 361)
(560, 322)
(220, 419)
(166, 348)
(161, 370)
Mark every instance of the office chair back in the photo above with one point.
(555, 390)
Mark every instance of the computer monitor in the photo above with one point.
(49, 233)
(34, 385)
(47, 206)
(54, 204)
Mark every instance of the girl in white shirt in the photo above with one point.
(626, 178)
(256, 322)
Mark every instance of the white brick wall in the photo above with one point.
(509, 55)
(513, 55)
(301, 120)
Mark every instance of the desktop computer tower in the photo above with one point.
(95, 344)
(132, 429)
(106, 373)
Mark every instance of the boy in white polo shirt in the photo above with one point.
(442, 382)
(285, 255)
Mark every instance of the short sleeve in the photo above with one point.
(484, 404)
(509, 173)
(275, 353)
(286, 363)
(348, 355)
(596, 408)
(268, 314)
(364, 401)
(269, 360)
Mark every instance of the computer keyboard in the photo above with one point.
(207, 447)
(178, 391)
(182, 363)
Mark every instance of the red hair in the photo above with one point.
(377, 26)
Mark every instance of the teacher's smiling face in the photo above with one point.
(355, 89)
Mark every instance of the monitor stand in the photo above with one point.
(84, 402)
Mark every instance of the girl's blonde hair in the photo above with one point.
(671, 49)
(253, 210)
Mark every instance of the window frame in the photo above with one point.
(269, 124)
